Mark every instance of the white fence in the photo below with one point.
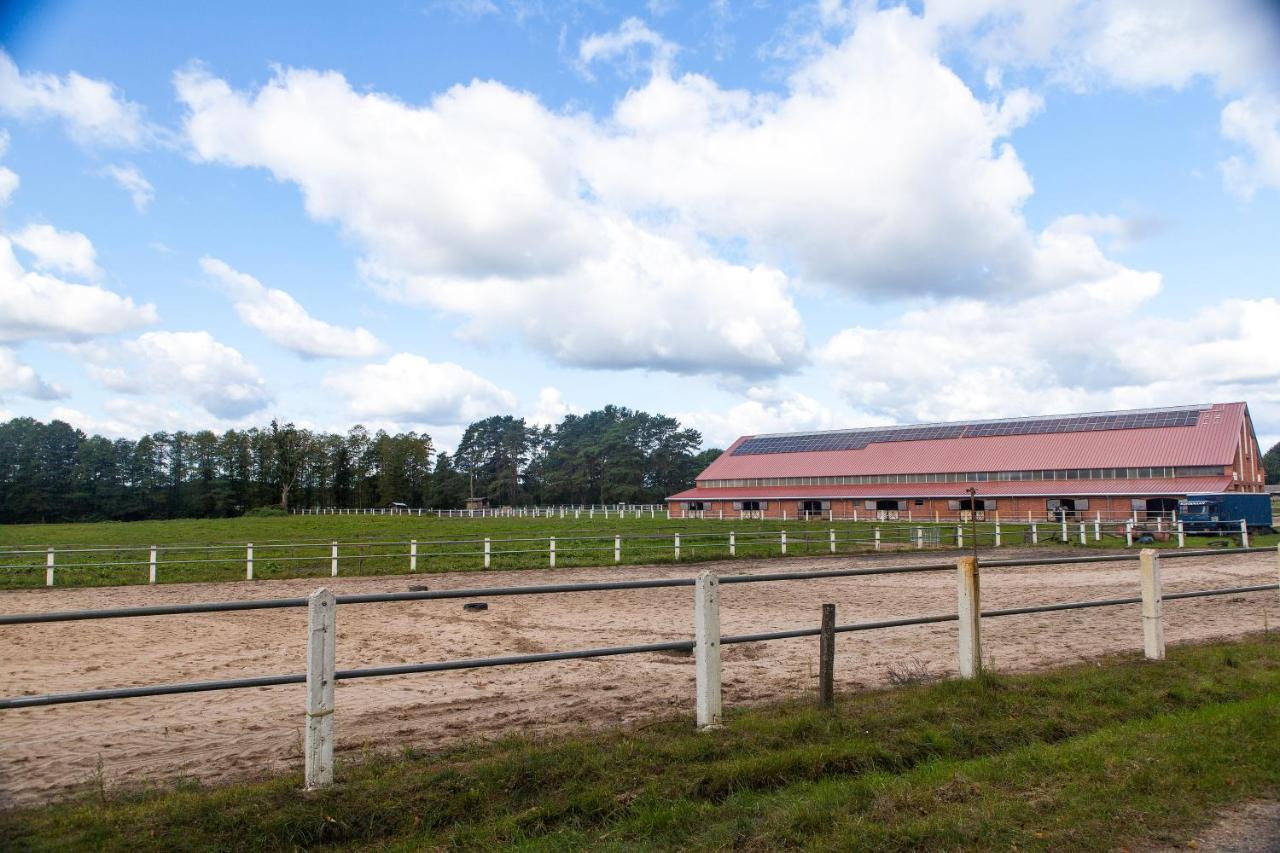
(170, 562)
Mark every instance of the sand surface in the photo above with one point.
(46, 752)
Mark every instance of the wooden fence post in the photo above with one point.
(413, 555)
(959, 535)
(322, 614)
(151, 567)
(248, 562)
(969, 608)
(48, 569)
(1084, 536)
(706, 649)
(1128, 534)
(333, 558)
(1152, 605)
(827, 657)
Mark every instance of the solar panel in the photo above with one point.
(860, 438)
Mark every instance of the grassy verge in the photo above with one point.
(1092, 757)
(189, 549)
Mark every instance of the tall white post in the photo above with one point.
(831, 535)
(321, 647)
(919, 537)
(1152, 605)
(48, 569)
(706, 649)
(1244, 533)
(617, 548)
(784, 538)
(733, 545)
(248, 562)
(877, 538)
(413, 555)
(551, 550)
(1182, 536)
(969, 609)
(151, 567)
(1128, 534)
(333, 558)
(997, 533)
(1084, 535)
(1064, 528)
(959, 535)
(855, 514)
(487, 552)
(677, 544)
(1097, 531)
(1035, 532)
(784, 515)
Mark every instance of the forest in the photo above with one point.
(54, 472)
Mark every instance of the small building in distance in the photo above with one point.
(477, 503)
(1111, 464)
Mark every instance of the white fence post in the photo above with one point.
(1182, 536)
(333, 558)
(551, 551)
(1035, 533)
(413, 555)
(151, 567)
(877, 538)
(248, 562)
(48, 569)
(706, 649)
(321, 646)
(969, 608)
(677, 543)
(831, 535)
(1084, 535)
(733, 545)
(1128, 534)
(959, 535)
(1097, 529)
(783, 540)
(1152, 605)
(1244, 533)
(617, 548)
(919, 537)
(1064, 528)
(997, 534)
(487, 552)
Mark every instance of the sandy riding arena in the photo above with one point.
(45, 752)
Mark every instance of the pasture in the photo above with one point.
(195, 550)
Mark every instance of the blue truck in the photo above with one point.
(1223, 512)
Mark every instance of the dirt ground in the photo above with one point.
(45, 752)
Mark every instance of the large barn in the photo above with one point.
(1108, 464)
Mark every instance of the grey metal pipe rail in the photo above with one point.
(577, 654)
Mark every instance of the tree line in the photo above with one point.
(55, 472)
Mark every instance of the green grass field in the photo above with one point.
(1102, 755)
(214, 549)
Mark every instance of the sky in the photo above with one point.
(757, 216)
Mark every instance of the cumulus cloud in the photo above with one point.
(132, 181)
(92, 110)
(764, 409)
(622, 44)
(68, 252)
(19, 378)
(34, 305)
(279, 317)
(408, 388)
(551, 408)
(190, 365)
(1253, 122)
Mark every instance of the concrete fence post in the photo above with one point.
(959, 535)
(1244, 533)
(333, 558)
(48, 569)
(1035, 533)
(413, 555)
(876, 538)
(997, 533)
(733, 545)
(248, 562)
(783, 540)
(322, 613)
(1084, 535)
(551, 551)
(1064, 529)
(827, 657)
(706, 649)
(1097, 531)
(1182, 536)
(1128, 534)
(488, 552)
(151, 567)
(677, 544)
(1152, 605)
(831, 536)
(969, 609)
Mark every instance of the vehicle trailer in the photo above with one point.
(1223, 512)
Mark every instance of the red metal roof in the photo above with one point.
(1212, 441)
(1021, 488)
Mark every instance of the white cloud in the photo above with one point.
(8, 178)
(282, 320)
(621, 44)
(1254, 122)
(408, 388)
(68, 252)
(19, 378)
(132, 181)
(765, 409)
(33, 305)
(551, 408)
(92, 110)
(191, 365)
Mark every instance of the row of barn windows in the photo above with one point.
(976, 477)
(1052, 505)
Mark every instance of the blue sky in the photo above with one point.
(755, 216)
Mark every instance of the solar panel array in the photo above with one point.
(860, 438)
